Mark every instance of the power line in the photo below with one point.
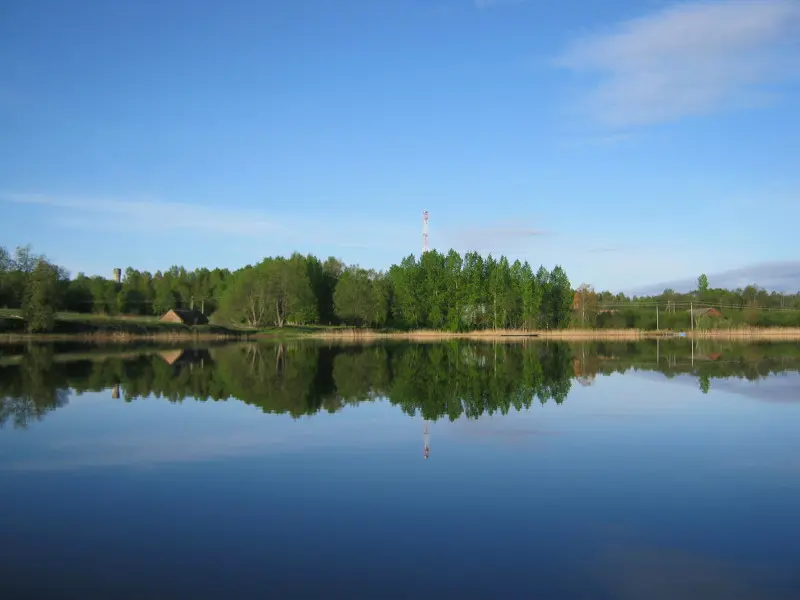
(686, 305)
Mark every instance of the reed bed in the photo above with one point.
(755, 333)
(509, 335)
(505, 335)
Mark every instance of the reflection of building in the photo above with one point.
(426, 440)
(185, 356)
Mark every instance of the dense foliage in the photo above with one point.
(435, 291)
(446, 380)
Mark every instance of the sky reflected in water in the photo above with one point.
(636, 486)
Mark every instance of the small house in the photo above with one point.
(699, 313)
(184, 316)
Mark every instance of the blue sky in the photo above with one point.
(634, 142)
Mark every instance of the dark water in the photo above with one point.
(657, 471)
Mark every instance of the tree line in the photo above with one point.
(447, 380)
(435, 290)
(744, 306)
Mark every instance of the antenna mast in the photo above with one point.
(425, 231)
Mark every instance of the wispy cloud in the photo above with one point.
(782, 276)
(153, 215)
(158, 217)
(689, 59)
(484, 4)
(493, 239)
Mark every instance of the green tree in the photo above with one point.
(559, 299)
(353, 297)
(163, 294)
(271, 292)
(41, 299)
(702, 283)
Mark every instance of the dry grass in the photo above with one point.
(505, 335)
(762, 333)
(510, 335)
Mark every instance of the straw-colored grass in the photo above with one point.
(505, 335)
(509, 335)
(772, 333)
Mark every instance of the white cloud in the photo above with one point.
(688, 59)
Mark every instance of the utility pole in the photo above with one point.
(656, 317)
(191, 303)
(691, 314)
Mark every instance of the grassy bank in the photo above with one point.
(115, 329)
(99, 328)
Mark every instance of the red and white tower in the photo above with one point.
(425, 247)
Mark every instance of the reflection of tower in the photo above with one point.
(426, 439)
(115, 391)
(424, 231)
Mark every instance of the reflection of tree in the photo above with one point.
(276, 378)
(711, 358)
(32, 389)
(446, 380)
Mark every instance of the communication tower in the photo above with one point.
(425, 247)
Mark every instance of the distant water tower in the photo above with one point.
(117, 275)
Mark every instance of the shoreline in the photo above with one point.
(117, 337)
(366, 335)
(771, 333)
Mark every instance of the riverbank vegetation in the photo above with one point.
(438, 292)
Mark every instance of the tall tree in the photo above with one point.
(585, 303)
(702, 283)
(354, 297)
(560, 298)
(41, 298)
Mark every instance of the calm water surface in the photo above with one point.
(299, 471)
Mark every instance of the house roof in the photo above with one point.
(187, 315)
(702, 312)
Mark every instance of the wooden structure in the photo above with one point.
(699, 313)
(184, 316)
(179, 357)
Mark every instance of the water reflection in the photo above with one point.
(433, 381)
(617, 488)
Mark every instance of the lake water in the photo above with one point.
(456, 470)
